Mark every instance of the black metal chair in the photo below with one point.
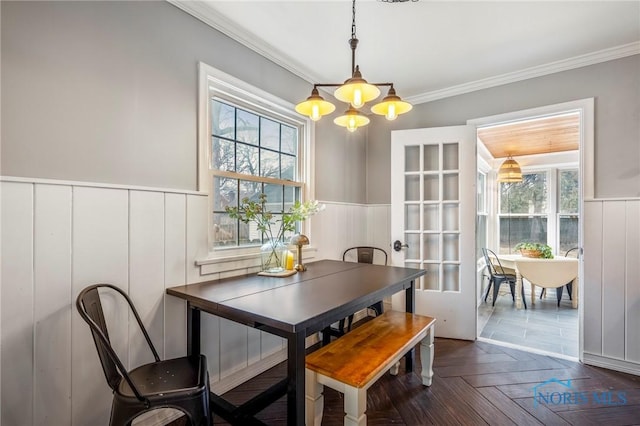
(568, 285)
(361, 254)
(498, 276)
(179, 383)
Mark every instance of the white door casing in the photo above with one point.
(433, 181)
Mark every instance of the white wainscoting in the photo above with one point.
(611, 284)
(59, 237)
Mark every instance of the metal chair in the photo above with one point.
(361, 254)
(498, 276)
(180, 383)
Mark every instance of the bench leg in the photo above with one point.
(314, 399)
(355, 404)
(426, 357)
(394, 370)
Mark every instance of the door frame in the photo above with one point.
(585, 107)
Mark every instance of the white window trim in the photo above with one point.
(224, 86)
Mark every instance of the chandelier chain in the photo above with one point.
(353, 20)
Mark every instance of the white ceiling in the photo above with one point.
(429, 49)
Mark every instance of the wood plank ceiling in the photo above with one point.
(537, 136)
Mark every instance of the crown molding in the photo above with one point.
(527, 73)
(209, 16)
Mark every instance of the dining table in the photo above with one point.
(293, 308)
(545, 273)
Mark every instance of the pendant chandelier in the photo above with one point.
(356, 92)
(510, 171)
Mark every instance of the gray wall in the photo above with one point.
(615, 85)
(107, 92)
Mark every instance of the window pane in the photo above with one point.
(288, 167)
(569, 191)
(247, 127)
(269, 134)
(482, 190)
(247, 159)
(291, 194)
(528, 196)
(516, 229)
(274, 195)
(225, 193)
(289, 139)
(224, 230)
(269, 163)
(568, 233)
(222, 155)
(222, 119)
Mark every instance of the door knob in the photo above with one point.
(397, 245)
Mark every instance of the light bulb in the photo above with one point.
(351, 124)
(315, 112)
(357, 98)
(391, 111)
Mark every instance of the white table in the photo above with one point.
(546, 273)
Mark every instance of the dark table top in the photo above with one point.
(309, 300)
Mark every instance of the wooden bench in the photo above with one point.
(355, 361)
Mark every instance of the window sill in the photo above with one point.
(238, 264)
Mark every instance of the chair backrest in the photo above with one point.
(90, 308)
(493, 263)
(365, 254)
(571, 250)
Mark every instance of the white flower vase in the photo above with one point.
(272, 254)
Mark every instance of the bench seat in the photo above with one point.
(355, 361)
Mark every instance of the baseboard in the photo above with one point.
(611, 364)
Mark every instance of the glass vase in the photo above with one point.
(272, 255)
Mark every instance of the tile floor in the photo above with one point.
(544, 326)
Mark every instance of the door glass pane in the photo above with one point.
(432, 277)
(431, 217)
(412, 217)
(450, 277)
(412, 159)
(412, 188)
(431, 246)
(450, 156)
(413, 251)
(431, 188)
(450, 187)
(451, 249)
(431, 158)
(450, 217)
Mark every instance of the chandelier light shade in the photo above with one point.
(391, 106)
(352, 119)
(356, 92)
(315, 106)
(510, 171)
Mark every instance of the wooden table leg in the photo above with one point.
(296, 374)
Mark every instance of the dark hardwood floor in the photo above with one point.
(478, 383)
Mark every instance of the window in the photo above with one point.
(253, 143)
(523, 211)
(568, 193)
(481, 216)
